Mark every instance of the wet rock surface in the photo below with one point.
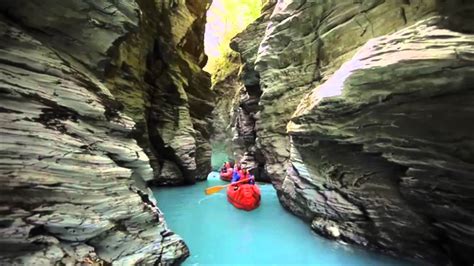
(157, 75)
(396, 154)
(362, 120)
(150, 55)
(239, 94)
(95, 104)
(223, 115)
(303, 45)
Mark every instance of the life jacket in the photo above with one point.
(229, 169)
(226, 170)
(236, 175)
(227, 174)
(242, 174)
(252, 179)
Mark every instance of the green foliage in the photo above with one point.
(225, 19)
(225, 65)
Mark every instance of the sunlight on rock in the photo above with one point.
(226, 18)
(346, 120)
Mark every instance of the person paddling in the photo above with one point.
(252, 179)
(224, 167)
(248, 175)
(240, 173)
(226, 171)
(236, 174)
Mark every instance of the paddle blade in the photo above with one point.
(212, 190)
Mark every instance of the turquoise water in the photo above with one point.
(219, 155)
(218, 233)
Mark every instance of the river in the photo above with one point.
(218, 233)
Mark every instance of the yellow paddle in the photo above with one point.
(212, 190)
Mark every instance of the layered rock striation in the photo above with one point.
(99, 98)
(239, 93)
(362, 120)
(303, 45)
(223, 116)
(388, 133)
(157, 75)
(154, 71)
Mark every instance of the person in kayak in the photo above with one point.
(226, 171)
(236, 174)
(252, 178)
(225, 167)
(240, 173)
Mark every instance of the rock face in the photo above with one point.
(154, 70)
(239, 94)
(74, 77)
(372, 147)
(223, 115)
(305, 43)
(387, 134)
(157, 76)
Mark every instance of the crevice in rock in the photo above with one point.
(244, 108)
(37, 231)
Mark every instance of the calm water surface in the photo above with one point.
(218, 233)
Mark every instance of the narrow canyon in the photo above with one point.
(358, 112)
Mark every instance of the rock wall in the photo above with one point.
(227, 92)
(371, 147)
(303, 45)
(239, 94)
(157, 75)
(387, 133)
(75, 77)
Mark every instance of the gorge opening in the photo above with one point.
(355, 116)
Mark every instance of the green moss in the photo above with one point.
(225, 66)
(225, 19)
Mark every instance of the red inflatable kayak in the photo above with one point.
(226, 172)
(226, 176)
(245, 196)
